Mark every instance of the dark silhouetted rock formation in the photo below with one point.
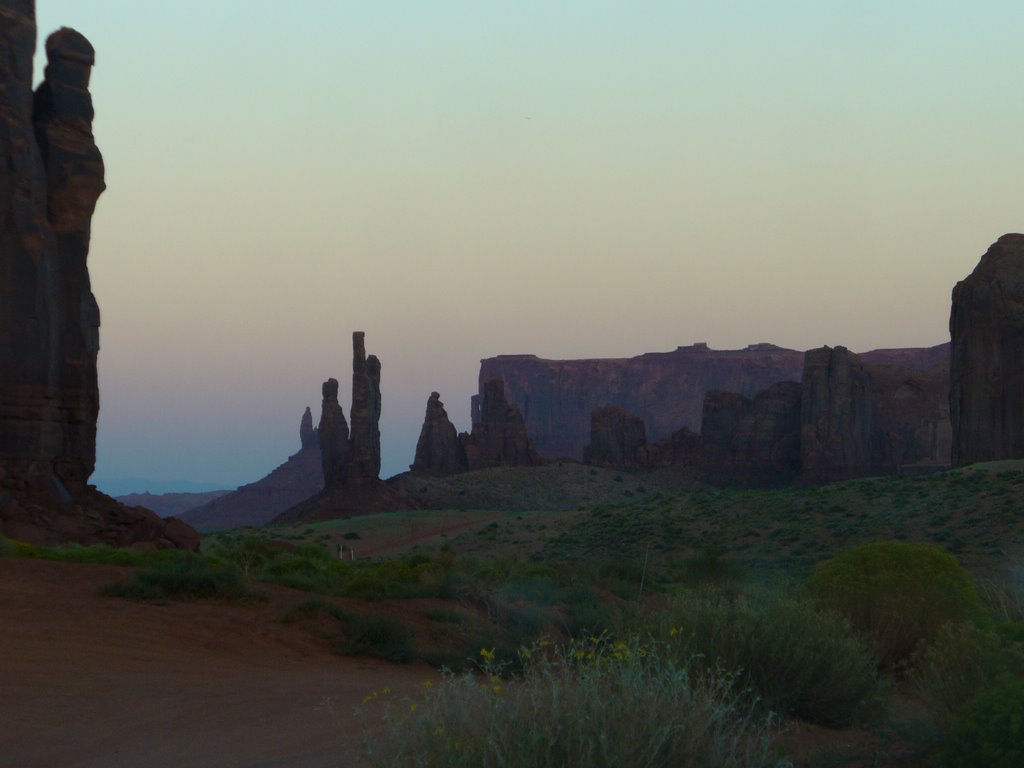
(617, 439)
(308, 436)
(845, 419)
(51, 176)
(365, 414)
(665, 389)
(439, 451)
(350, 456)
(752, 442)
(291, 483)
(911, 430)
(335, 451)
(499, 435)
(836, 418)
(986, 327)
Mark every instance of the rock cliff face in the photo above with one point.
(666, 390)
(439, 451)
(836, 416)
(911, 429)
(499, 436)
(986, 325)
(51, 176)
(752, 442)
(617, 439)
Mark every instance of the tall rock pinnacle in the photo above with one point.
(351, 457)
(52, 176)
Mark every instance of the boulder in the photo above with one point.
(986, 327)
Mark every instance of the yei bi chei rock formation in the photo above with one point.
(350, 449)
(51, 176)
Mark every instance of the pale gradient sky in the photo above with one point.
(465, 179)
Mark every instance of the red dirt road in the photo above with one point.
(93, 682)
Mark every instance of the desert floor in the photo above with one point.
(103, 682)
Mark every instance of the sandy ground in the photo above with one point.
(88, 681)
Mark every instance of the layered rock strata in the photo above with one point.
(50, 179)
(439, 451)
(986, 380)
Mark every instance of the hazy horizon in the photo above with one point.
(568, 180)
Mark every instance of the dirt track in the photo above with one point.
(96, 682)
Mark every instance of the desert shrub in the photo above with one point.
(77, 553)
(794, 657)
(706, 566)
(183, 578)
(961, 661)
(990, 732)
(316, 608)
(377, 636)
(623, 709)
(898, 594)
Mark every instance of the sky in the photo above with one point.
(462, 178)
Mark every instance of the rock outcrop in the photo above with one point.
(299, 478)
(365, 414)
(51, 176)
(308, 435)
(335, 451)
(845, 419)
(666, 390)
(986, 327)
(439, 451)
(617, 439)
(350, 456)
(499, 436)
(752, 442)
(836, 416)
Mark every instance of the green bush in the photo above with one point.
(184, 578)
(379, 636)
(625, 708)
(962, 660)
(990, 732)
(794, 657)
(898, 594)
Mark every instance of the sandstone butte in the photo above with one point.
(51, 176)
(664, 389)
